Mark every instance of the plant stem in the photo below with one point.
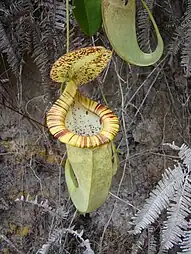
(67, 27)
(67, 36)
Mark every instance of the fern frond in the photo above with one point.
(60, 15)
(186, 51)
(144, 26)
(9, 14)
(40, 55)
(186, 243)
(20, 8)
(181, 41)
(177, 40)
(184, 153)
(48, 35)
(46, 3)
(47, 28)
(57, 236)
(24, 35)
(59, 10)
(188, 10)
(152, 244)
(159, 198)
(59, 212)
(6, 47)
(4, 12)
(139, 243)
(176, 224)
(173, 193)
(53, 239)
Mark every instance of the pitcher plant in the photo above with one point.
(86, 127)
(119, 20)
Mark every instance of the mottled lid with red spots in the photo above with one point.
(81, 66)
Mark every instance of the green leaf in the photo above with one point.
(120, 25)
(88, 15)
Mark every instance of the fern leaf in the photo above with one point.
(60, 15)
(53, 239)
(186, 51)
(46, 4)
(24, 35)
(144, 26)
(159, 198)
(181, 40)
(40, 55)
(4, 12)
(19, 8)
(186, 243)
(47, 28)
(57, 236)
(59, 212)
(185, 155)
(177, 40)
(152, 244)
(6, 47)
(176, 224)
(140, 243)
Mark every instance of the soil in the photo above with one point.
(31, 161)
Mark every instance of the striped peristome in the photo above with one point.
(56, 121)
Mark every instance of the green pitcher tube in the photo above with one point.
(88, 175)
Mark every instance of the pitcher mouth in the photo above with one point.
(70, 125)
(67, 119)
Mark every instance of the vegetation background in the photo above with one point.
(153, 104)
